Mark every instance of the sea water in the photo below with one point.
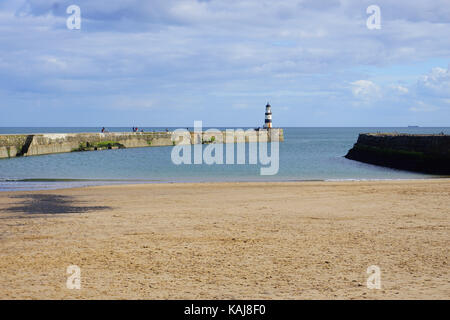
(305, 154)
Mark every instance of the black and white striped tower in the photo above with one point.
(268, 120)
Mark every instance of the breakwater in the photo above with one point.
(16, 145)
(427, 153)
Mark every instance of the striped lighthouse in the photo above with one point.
(268, 119)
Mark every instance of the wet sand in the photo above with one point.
(299, 240)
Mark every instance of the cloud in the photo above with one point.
(436, 83)
(210, 55)
(399, 89)
(365, 90)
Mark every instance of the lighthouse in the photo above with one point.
(268, 119)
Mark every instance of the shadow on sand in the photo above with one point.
(50, 204)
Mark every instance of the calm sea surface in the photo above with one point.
(306, 154)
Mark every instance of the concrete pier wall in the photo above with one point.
(39, 144)
(413, 152)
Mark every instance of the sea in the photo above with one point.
(307, 154)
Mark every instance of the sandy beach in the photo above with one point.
(289, 240)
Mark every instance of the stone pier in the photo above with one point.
(428, 153)
(16, 145)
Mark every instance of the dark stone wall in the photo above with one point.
(420, 153)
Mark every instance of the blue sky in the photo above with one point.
(168, 63)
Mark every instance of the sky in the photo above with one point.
(170, 62)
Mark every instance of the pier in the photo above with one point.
(17, 145)
(427, 153)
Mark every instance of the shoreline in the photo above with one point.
(132, 182)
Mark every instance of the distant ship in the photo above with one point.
(413, 126)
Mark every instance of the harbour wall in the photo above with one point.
(17, 145)
(427, 153)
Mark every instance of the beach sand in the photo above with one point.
(287, 240)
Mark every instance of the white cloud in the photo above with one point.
(400, 89)
(365, 90)
(436, 83)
